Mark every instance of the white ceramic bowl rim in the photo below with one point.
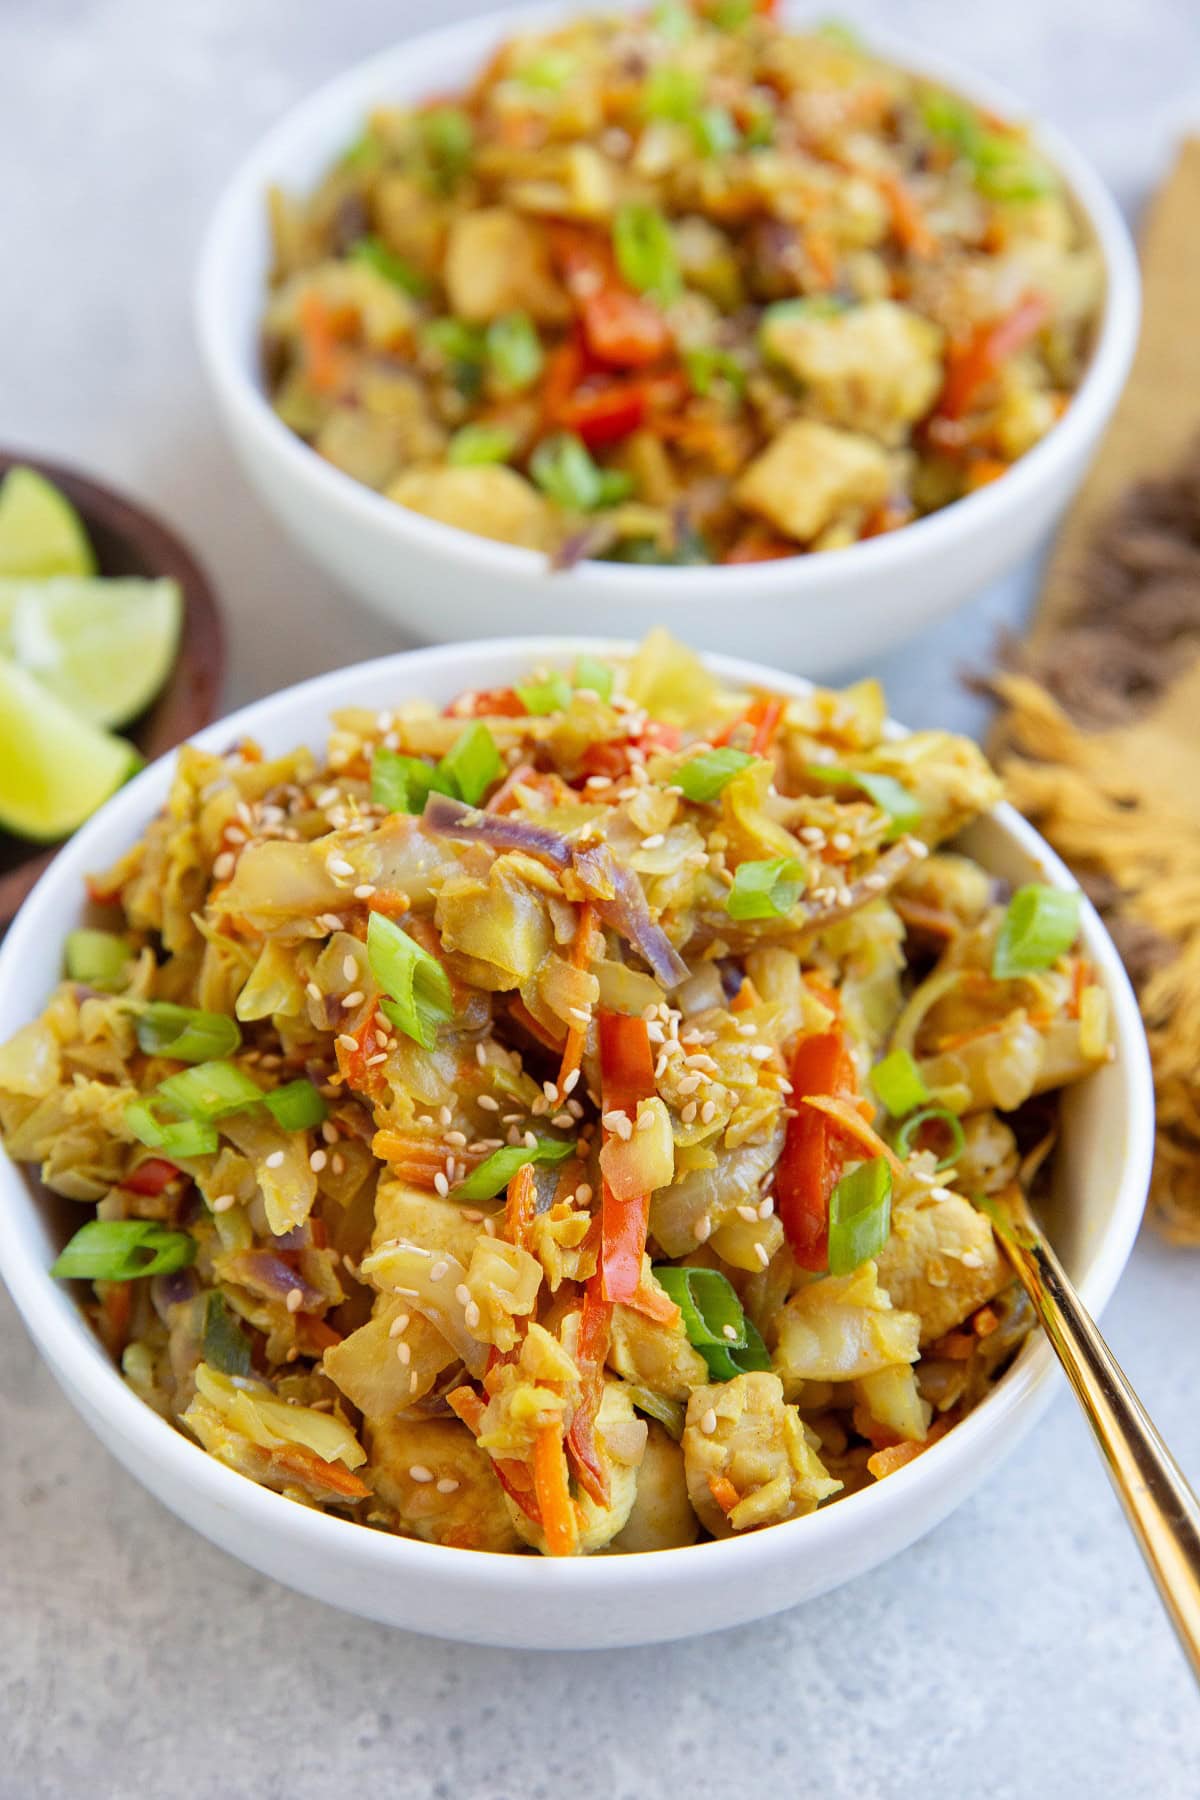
(51, 1314)
(787, 580)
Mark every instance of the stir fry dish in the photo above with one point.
(556, 1121)
(680, 287)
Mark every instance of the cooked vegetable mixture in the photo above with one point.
(552, 1121)
(680, 287)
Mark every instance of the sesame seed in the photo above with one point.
(708, 1112)
(330, 921)
(940, 1193)
(317, 1161)
(581, 1015)
(571, 1081)
(971, 1259)
(766, 1207)
(747, 1028)
(731, 1332)
(275, 1160)
(550, 1089)
(481, 1055)
(457, 1138)
(462, 1294)
(364, 890)
(371, 1062)
(447, 1485)
(841, 841)
(445, 1116)
(654, 842)
(488, 1103)
(350, 967)
(702, 1229)
(443, 1188)
(223, 866)
(399, 1324)
(222, 1203)
(404, 1352)
(337, 865)
(760, 1052)
(688, 1115)
(646, 1120)
(329, 1132)
(419, 1472)
(354, 998)
(471, 1311)
(337, 1163)
(295, 1300)
(563, 1120)
(760, 1250)
(440, 1269)
(708, 1421)
(347, 1040)
(583, 1193)
(313, 991)
(489, 1226)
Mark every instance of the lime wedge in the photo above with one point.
(55, 769)
(40, 531)
(105, 647)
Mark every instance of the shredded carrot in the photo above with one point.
(298, 1460)
(513, 1477)
(819, 248)
(821, 990)
(1081, 976)
(723, 1492)
(390, 902)
(520, 1205)
(985, 1321)
(908, 222)
(972, 362)
(746, 997)
(318, 1336)
(522, 1016)
(505, 795)
(319, 336)
(652, 1303)
(886, 1462)
(552, 1487)
(116, 1308)
(757, 544)
(468, 1406)
(582, 951)
(956, 1346)
(766, 727)
(418, 1159)
(846, 1117)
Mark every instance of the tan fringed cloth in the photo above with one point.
(1099, 735)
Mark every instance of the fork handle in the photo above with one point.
(1159, 1504)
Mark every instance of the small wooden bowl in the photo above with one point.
(128, 540)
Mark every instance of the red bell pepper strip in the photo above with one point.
(626, 1077)
(595, 1323)
(604, 414)
(811, 1162)
(622, 328)
(970, 365)
(151, 1176)
(514, 1477)
(488, 703)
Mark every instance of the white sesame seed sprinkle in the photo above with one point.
(443, 1188)
(295, 1300)
(399, 1324)
(471, 1311)
(317, 1161)
(708, 1421)
(440, 1269)
(275, 1160)
(571, 1081)
(702, 1229)
(760, 1250)
(404, 1352)
(418, 1472)
(354, 998)
(222, 1203)
(447, 1485)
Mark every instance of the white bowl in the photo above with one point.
(1103, 1171)
(814, 613)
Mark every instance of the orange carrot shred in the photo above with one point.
(723, 1492)
(552, 1487)
(520, 1206)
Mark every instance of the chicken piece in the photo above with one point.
(875, 368)
(659, 1357)
(949, 883)
(599, 1525)
(810, 475)
(757, 1448)
(367, 1367)
(414, 1217)
(498, 262)
(990, 1157)
(941, 1260)
(385, 314)
(892, 1399)
(662, 1516)
(414, 1461)
(371, 450)
(492, 501)
(841, 1328)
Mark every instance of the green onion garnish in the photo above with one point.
(550, 71)
(209, 1090)
(901, 807)
(416, 983)
(673, 20)
(594, 675)
(670, 92)
(226, 1346)
(714, 1320)
(707, 364)
(715, 131)
(765, 890)
(376, 255)
(455, 340)
(548, 696)
(99, 959)
(941, 1115)
(1040, 925)
(860, 1215)
(472, 763)
(703, 777)
(897, 1081)
(297, 1106)
(809, 306)
(184, 1034)
(404, 783)
(645, 251)
(176, 1138)
(496, 1171)
(732, 15)
(1003, 167)
(473, 445)
(123, 1250)
(514, 351)
(449, 141)
(563, 468)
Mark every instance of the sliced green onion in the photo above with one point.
(811, 306)
(450, 142)
(889, 795)
(550, 71)
(837, 31)
(176, 1138)
(715, 131)
(455, 340)
(897, 1081)
(416, 983)
(376, 255)
(1040, 925)
(297, 1106)
(404, 783)
(209, 1090)
(226, 1346)
(472, 763)
(708, 364)
(765, 890)
(594, 675)
(673, 21)
(97, 958)
(714, 1320)
(123, 1250)
(670, 92)
(1003, 167)
(548, 696)
(364, 153)
(941, 1115)
(496, 1171)
(514, 351)
(645, 250)
(473, 445)
(860, 1215)
(669, 1413)
(703, 777)
(563, 468)
(731, 15)
(184, 1034)
(759, 128)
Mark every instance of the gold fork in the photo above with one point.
(1150, 1485)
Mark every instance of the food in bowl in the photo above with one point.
(549, 1122)
(681, 287)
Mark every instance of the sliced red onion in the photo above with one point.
(470, 825)
(265, 1273)
(617, 896)
(177, 1289)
